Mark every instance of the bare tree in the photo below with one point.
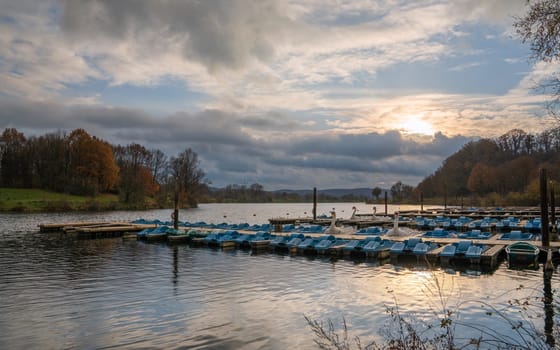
(540, 27)
(187, 177)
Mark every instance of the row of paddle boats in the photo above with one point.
(464, 223)
(515, 235)
(369, 246)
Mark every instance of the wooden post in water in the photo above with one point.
(385, 203)
(544, 210)
(554, 229)
(314, 203)
(176, 210)
(444, 196)
(548, 302)
(421, 201)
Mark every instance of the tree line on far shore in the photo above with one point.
(500, 171)
(81, 164)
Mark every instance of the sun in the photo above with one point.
(414, 125)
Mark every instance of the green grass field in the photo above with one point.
(34, 200)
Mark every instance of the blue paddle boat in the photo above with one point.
(474, 234)
(439, 233)
(522, 254)
(517, 236)
(405, 247)
(355, 246)
(463, 250)
(379, 248)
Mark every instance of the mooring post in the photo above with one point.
(445, 196)
(421, 201)
(176, 210)
(548, 302)
(554, 229)
(314, 203)
(544, 210)
(385, 203)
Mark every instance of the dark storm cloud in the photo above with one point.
(404, 164)
(230, 149)
(374, 146)
(220, 33)
(356, 145)
(440, 145)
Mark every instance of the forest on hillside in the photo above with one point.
(500, 171)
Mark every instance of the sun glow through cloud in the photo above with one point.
(414, 125)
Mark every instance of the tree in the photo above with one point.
(188, 179)
(540, 27)
(136, 179)
(400, 191)
(159, 166)
(482, 179)
(376, 192)
(49, 161)
(15, 159)
(512, 142)
(92, 167)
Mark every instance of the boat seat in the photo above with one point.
(463, 246)
(397, 247)
(412, 242)
(474, 251)
(448, 250)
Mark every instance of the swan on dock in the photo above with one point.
(400, 232)
(333, 229)
(354, 217)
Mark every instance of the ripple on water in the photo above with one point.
(59, 293)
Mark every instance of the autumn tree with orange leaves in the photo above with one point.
(92, 167)
(136, 179)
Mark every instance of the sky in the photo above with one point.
(287, 94)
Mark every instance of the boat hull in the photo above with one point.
(522, 254)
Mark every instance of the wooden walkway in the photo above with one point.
(88, 230)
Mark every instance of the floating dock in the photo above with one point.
(91, 230)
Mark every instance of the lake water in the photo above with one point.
(57, 293)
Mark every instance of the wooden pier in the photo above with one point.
(491, 255)
(91, 230)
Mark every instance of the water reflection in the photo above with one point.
(60, 293)
(548, 308)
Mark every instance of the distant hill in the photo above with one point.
(503, 171)
(333, 192)
(255, 193)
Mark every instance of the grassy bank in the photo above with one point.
(34, 200)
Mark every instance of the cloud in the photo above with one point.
(231, 148)
(217, 34)
(286, 93)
